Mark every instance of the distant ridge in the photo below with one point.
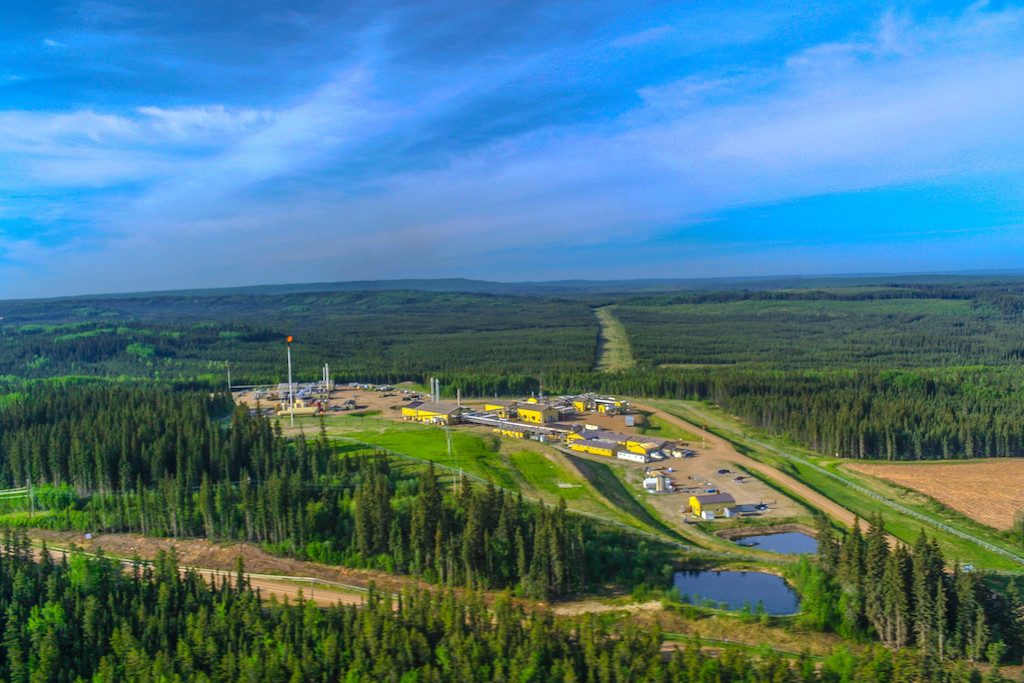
(578, 286)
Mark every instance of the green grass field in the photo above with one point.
(655, 426)
(603, 478)
(537, 471)
(469, 452)
(542, 474)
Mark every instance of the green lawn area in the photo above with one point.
(604, 479)
(469, 452)
(510, 464)
(544, 475)
(655, 426)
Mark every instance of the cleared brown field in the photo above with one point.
(987, 491)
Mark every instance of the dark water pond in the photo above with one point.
(735, 589)
(791, 542)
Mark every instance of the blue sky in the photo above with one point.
(168, 145)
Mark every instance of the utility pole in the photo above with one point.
(31, 498)
(291, 388)
(229, 375)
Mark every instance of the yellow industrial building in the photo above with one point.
(503, 409)
(594, 447)
(431, 412)
(536, 413)
(713, 503)
(641, 445)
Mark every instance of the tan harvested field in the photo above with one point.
(987, 491)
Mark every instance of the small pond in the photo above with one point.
(790, 542)
(738, 588)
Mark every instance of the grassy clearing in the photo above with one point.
(613, 349)
(604, 479)
(655, 426)
(533, 469)
(543, 475)
(24, 518)
(469, 452)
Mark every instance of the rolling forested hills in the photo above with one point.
(377, 336)
(906, 368)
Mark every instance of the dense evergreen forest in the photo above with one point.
(143, 458)
(861, 587)
(870, 327)
(78, 618)
(372, 336)
(900, 371)
(162, 463)
(861, 413)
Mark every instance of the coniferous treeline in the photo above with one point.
(160, 464)
(83, 617)
(101, 438)
(842, 328)
(890, 414)
(86, 618)
(365, 336)
(861, 586)
(816, 365)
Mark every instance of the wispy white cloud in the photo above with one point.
(191, 122)
(648, 35)
(899, 101)
(892, 36)
(26, 130)
(311, 132)
(41, 131)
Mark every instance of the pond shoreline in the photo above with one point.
(743, 532)
(732, 590)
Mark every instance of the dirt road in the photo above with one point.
(272, 574)
(217, 561)
(723, 448)
(324, 596)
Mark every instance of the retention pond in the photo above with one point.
(790, 542)
(735, 589)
